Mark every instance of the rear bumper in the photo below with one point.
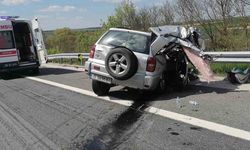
(12, 67)
(151, 82)
(138, 81)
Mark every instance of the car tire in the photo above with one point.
(100, 88)
(182, 78)
(121, 63)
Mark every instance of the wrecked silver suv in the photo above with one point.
(142, 60)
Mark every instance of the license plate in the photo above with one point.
(101, 78)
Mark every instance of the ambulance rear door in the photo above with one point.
(39, 42)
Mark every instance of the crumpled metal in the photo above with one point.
(239, 76)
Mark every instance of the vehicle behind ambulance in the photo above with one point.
(21, 45)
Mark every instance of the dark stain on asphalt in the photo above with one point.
(187, 144)
(114, 134)
(8, 76)
(196, 128)
(174, 133)
(177, 124)
(169, 129)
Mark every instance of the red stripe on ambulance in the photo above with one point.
(5, 27)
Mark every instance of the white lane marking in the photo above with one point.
(242, 134)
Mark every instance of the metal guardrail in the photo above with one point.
(224, 57)
(230, 57)
(68, 56)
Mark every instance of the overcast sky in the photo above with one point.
(66, 13)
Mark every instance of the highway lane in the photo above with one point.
(224, 106)
(70, 120)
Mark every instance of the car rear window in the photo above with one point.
(6, 40)
(133, 41)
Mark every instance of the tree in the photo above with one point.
(241, 6)
(125, 16)
(128, 16)
(215, 17)
(167, 13)
(63, 40)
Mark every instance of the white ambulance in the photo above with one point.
(21, 44)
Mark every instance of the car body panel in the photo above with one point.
(168, 30)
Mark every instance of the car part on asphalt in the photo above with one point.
(121, 63)
(239, 76)
(178, 101)
(195, 105)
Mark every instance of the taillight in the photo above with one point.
(151, 64)
(92, 52)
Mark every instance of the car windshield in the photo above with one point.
(6, 40)
(134, 41)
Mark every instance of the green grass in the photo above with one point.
(222, 68)
(53, 51)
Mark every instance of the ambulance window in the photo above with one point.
(6, 40)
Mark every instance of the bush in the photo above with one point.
(53, 51)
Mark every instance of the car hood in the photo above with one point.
(168, 30)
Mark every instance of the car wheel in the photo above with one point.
(182, 79)
(121, 63)
(100, 88)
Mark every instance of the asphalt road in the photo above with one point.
(34, 115)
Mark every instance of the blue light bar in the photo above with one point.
(8, 17)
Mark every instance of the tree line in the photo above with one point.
(225, 23)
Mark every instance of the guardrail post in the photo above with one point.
(80, 57)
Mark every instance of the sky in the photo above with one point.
(54, 14)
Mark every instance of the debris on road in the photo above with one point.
(195, 105)
(179, 102)
(239, 76)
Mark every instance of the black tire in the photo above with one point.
(130, 62)
(182, 78)
(100, 88)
